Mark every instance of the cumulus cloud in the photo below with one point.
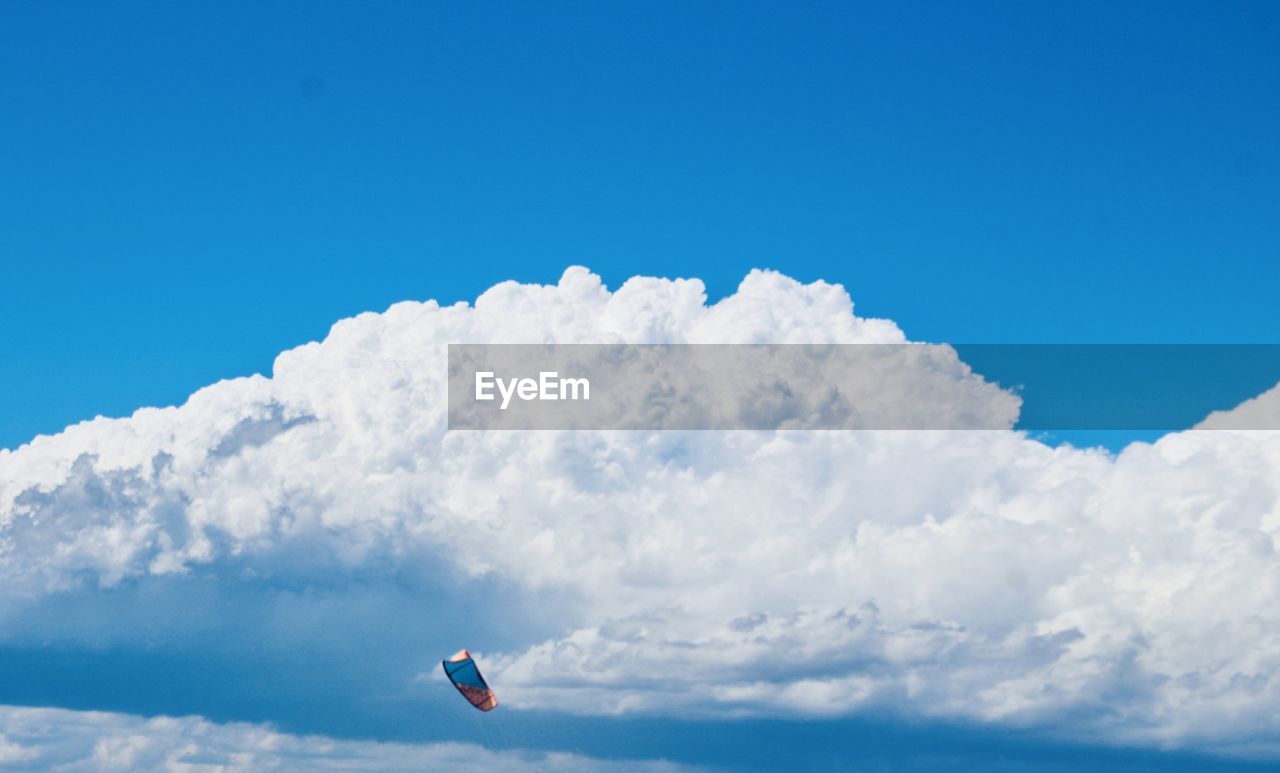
(1260, 411)
(58, 739)
(720, 387)
(976, 575)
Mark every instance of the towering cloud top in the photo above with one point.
(976, 575)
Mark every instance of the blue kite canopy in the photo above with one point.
(462, 671)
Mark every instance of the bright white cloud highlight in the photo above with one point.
(62, 740)
(972, 575)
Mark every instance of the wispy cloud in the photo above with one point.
(58, 739)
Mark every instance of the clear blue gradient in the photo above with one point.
(189, 190)
(186, 190)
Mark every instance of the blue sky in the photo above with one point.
(186, 192)
(190, 191)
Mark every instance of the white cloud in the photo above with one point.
(973, 575)
(63, 740)
(1262, 411)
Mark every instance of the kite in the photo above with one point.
(462, 671)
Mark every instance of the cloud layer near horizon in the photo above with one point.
(971, 575)
(62, 740)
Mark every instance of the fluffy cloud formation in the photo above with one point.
(1260, 411)
(58, 739)
(723, 387)
(972, 575)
